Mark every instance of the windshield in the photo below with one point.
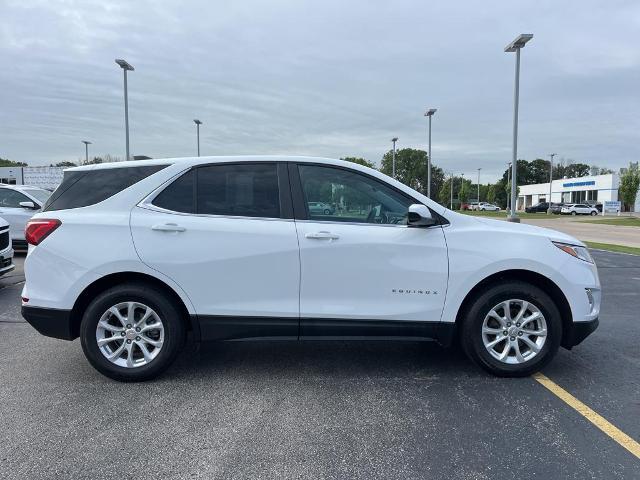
(38, 193)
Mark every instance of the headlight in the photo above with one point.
(579, 252)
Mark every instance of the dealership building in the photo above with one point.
(592, 189)
(44, 177)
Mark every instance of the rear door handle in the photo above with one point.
(168, 227)
(322, 235)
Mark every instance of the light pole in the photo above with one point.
(429, 113)
(551, 155)
(508, 182)
(460, 191)
(86, 150)
(126, 67)
(393, 164)
(479, 188)
(198, 123)
(516, 46)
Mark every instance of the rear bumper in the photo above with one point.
(50, 322)
(578, 332)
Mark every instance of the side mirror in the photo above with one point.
(29, 205)
(420, 216)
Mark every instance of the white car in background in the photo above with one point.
(489, 207)
(228, 249)
(6, 252)
(578, 209)
(18, 203)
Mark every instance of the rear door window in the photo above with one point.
(247, 190)
(88, 187)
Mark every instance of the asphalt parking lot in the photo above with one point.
(321, 409)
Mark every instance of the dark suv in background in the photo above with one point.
(542, 207)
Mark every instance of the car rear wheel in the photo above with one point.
(131, 332)
(327, 211)
(512, 329)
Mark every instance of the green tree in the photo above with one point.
(491, 193)
(4, 162)
(411, 169)
(629, 184)
(463, 194)
(66, 164)
(359, 161)
(444, 194)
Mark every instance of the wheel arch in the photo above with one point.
(534, 278)
(113, 279)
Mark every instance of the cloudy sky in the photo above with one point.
(327, 78)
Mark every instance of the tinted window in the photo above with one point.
(88, 187)
(180, 195)
(351, 197)
(248, 190)
(12, 198)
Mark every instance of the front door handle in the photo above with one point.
(168, 227)
(323, 235)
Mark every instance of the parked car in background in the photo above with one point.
(556, 208)
(473, 206)
(18, 203)
(578, 209)
(6, 251)
(321, 208)
(486, 206)
(228, 249)
(542, 207)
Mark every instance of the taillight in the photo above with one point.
(38, 229)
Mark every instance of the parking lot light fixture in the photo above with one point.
(198, 123)
(86, 150)
(429, 113)
(515, 46)
(479, 187)
(393, 163)
(126, 67)
(551, 155)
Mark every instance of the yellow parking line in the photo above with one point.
(614, 432)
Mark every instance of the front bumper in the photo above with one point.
(578, 332)
(6, 261)
(50, 322)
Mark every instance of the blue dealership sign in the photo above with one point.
(579, 184)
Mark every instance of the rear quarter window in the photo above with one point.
(88, 187)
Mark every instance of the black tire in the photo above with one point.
(594, 213)
(471, 329)
(327, 211)
(574, 213)
(170, 316)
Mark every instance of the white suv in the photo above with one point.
(131, 256)
(578, 209)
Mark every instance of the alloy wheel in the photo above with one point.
(514, 331)
(130, 334)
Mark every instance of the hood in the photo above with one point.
(529, 230)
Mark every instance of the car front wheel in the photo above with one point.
(131, 332)
(574, 213)
(512, 329)
(594, 213)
